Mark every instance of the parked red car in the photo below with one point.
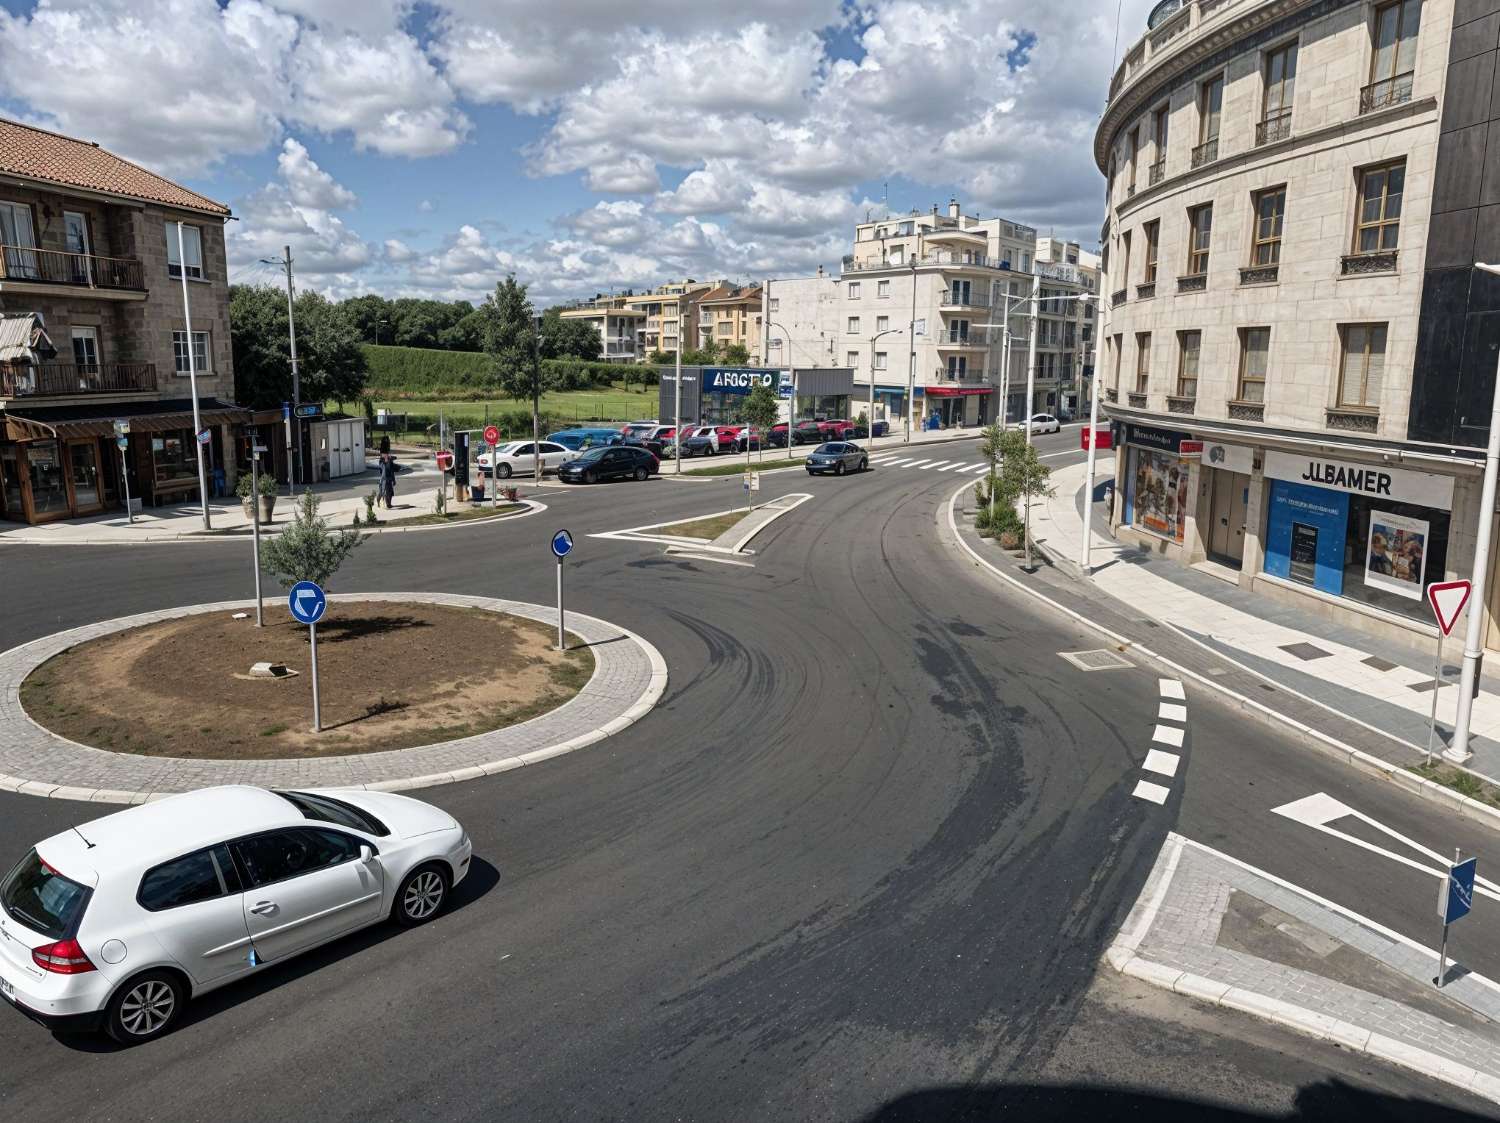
(803, 433)
(836, 430)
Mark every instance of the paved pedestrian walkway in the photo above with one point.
(629, 676)
(1384, 685)
(1214, 929)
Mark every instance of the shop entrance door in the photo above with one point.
(83, 465)
(1229, 505)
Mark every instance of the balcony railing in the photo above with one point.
(1276, 126)
(942, 257)
(1145, 290)
(83, 270)
(47, 380)
(1386, 93)
(1137, 400)
(1178, 403)
(1259, 274)
(1157, 172)
(1247, 411)
(1192, 282)
(1381, 261)
(1206, 153)
(1351, 420)
(974, 337)
(1119, 296)
(1111, 394)
(958, 298)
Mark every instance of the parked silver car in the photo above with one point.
(838, 458)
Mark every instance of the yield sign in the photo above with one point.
(1448, 599)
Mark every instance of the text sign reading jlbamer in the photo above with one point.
(1380, 481)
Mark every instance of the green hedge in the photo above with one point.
(417, 372)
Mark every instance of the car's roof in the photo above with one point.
(152, 832)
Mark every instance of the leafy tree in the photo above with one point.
(736, 354)
(330, 361)
(511, 341)
(760, 410)
(568, 339)
(307, 550)
(466, 333)
(366, 312)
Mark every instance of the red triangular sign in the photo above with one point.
(1448, 599)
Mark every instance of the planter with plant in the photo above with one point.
(267, 496)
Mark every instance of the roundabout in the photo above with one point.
(471, 726)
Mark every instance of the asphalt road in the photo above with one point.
(861, 862)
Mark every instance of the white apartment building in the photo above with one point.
(617, 325)
(1074, 396)
(669, 317)
(953, 277)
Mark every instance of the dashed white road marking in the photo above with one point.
(1172, 688)
(1163, 764)
(1171, 711)
(1145, 789)
(1168, 735)
(923, 463)
(898, 463)
(956, 464)
(938, 464)
(978, 468)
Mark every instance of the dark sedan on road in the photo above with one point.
(836, 457)
(803, 433)
(621, 462)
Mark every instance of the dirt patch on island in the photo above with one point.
(391, 675)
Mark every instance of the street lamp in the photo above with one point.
(911, 370)
(791, 406)
(870, 433)
(1459, 751)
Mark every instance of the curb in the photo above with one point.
(1320, 741)
(656, 686)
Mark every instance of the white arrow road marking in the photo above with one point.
(1169, 711)
(1168, 735)
(1145, 789)
(1171, 688)
(1163, 764)
(1317, 811)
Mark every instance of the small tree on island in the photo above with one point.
(760, 411)
(307, 550)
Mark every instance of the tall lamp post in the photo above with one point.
(1459, 751)
(187, 323)
(791, 405)
(911, 368)
(870, 432)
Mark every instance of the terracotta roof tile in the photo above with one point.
(38, 154)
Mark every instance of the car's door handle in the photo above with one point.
(263, 908)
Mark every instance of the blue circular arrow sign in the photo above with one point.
(307, 602)
(562, 542)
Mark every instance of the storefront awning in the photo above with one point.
(97, 420)
(23, 339)
(958, 391)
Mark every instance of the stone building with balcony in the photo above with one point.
(733, 316)
(960, 280)
(92, 331)
(1298, 352)
(617, 323)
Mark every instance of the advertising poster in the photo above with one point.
(1303, 565)
(1160, 494)
(1396, 554)
(1305, 532)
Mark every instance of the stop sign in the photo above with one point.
(491, 435)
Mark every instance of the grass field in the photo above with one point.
(573, 407)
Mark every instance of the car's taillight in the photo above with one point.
(62, 958)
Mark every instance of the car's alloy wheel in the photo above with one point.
(838, 469)
(641, 474)
(147, 1007)
(505, 471)
(590, 477)
(421, 896)
(863, 464)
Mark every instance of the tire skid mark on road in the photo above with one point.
(1159, 762)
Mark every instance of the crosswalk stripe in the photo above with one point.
(956, 464)
(921, 463)
(979, 468)
(883, 459)
(897, 463)
(936, 464)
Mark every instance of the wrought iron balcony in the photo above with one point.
(1276, 126)
(1386, 93)
(1350, 420)
(55, 380)
(1259, 274)
(80, 270)
(1177, 403)
(1157, 172)
(1119, 296)
(1137, 400)
(1381, 261)
(1192, 282)
(1206, 153)
(1247, 411)
(1145, 291)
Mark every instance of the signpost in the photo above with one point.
(1455, 898)
(492, 438)
(308, 603)
(255, 451)
(1447, 599)
(122, 442)
(562, 544)
(309, 409)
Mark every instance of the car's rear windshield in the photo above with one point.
(36, 895)
(326, 809)
(591, 454)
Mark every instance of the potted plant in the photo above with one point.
(267, 496)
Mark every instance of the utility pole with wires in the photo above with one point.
(294, 425)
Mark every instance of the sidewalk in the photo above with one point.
(1382, 685)
(1211, 928)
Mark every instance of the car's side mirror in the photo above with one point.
(366, 854)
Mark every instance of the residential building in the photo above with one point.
(617, 323)
(1300, 352)
(732, 317)
(1078, 265)
(670, 316)
(954, 277)
(92, 331)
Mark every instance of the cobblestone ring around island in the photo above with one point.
(629, 677)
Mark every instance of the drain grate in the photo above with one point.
(1100, 660)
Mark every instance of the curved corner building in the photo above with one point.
(1299, 354)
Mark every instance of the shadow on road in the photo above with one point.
(482, 878)
(1330, 1101)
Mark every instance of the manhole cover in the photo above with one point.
(1101, 660)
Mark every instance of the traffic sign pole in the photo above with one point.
(562, 543)
(308, 603)
(492, 438)
(312, 636)
(255, 451)
(1447, 600)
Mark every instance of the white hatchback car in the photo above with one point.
(1044, 423)
(517, 458)
(116, 923)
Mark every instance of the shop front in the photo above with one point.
(952, 406)
(1225, 513)
(1367, 532)
(1158, 475)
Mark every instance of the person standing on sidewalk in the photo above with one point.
(387, 478)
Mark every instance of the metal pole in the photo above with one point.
(255, 525)
(1036, 290)
(294, 425)
(187, 320)
(562, 643)
(1442, 960)
(911, 368)
(312, 632)
(1459, 752)
(1443, 947)
(536, 400)
(1088, 479)
(1437, 681)
(125, 479)
(677, 419)
(870, 417)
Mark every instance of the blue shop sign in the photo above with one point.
(1305, 532)
(738, 380)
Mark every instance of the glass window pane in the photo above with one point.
(184, 881)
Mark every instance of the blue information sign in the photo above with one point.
(1458, 895)
(562, 542)
(307, 602)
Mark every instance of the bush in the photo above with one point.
(307, 550)
(267, 485)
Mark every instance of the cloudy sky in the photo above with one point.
(586, 145)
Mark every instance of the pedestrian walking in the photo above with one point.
(387, 478)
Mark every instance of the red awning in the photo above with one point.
(957, 391)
